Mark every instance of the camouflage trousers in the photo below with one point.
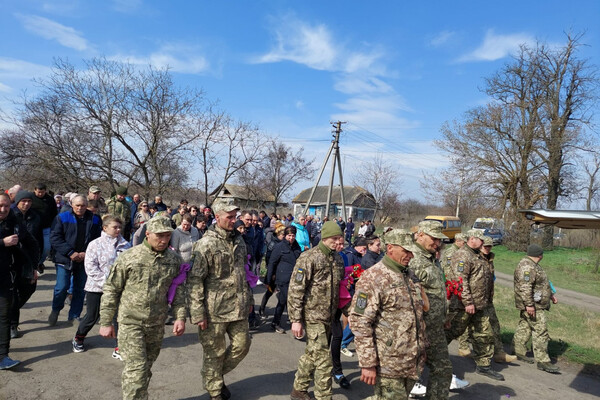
(316, 361)
(392, 388)
(467, 336)
(139, 347)
(535, 328)
(217, 358)
(483, 337)
(438, 359)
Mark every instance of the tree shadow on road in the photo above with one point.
(586, 381)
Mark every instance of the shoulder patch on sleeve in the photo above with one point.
(461, 266)
(361, 302)
(299, 275)
(526, 276)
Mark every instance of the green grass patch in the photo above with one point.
(573, 331)
(567, 268)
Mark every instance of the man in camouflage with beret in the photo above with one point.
(463, 341)
(119, 206)
(137, 287)
(533, 297)
(312, 300)
(387, 320)
(477, 293)
(220, 299)
(427, 268)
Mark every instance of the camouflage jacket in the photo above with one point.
(216, 285)
(532, 287)
(427, 268)
(386, 318)
(478, 278)
(446, 261)
(121, 209)
(314, 288)
(138, 284)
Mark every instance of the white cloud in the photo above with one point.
(299, 104)
(495, 47)
(52, 30)
(178, 57)
(441, 38)
(126, 6)
(351, 84)
(5, 88)
(11, 68)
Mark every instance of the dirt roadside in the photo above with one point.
(50, 370)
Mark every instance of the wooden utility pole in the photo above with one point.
(334, 150)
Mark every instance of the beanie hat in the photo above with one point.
(122, 190)
(534, 250)
(23, 194)
(330, 228)
(238, 223)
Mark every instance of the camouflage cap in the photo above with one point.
(400, 237)
(476, 233)
(432, 228)
(94, 189)
(224, 207)
(487, 241)
(159, 224)
(459, 236)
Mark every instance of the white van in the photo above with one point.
(481, 224)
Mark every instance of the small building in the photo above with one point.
(360, 204)
(244, 197)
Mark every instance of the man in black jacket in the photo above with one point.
(15, 246)
(45, 206)
(72, 231)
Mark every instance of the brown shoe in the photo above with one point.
(502, 357)
(300, 395)
(465, 353)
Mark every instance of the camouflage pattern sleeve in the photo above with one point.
(363, 313)
(112, 290)
(179, 303)
(195, 286)
(524, 278)
(301, 276)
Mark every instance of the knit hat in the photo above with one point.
(238, 223)
(122, 190)
(330, 229)
(23, 194)
(534, 250)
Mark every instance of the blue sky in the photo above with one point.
(394, 71)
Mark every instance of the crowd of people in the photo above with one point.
(138, 265)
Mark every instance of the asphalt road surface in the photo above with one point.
(50, 370)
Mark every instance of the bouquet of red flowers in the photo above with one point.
(454, 287)
(356, 271)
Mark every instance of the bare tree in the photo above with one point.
(278, 171)
(378, 176)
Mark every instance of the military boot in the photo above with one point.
(525, 358)
(502, 357)
(299, 395)
(225, 393)
(490, 373)
(548, 367)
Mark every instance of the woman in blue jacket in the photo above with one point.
(281, 264)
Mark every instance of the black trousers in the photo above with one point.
(281, 303)
(5, 308)
(21, 294)
(92, 315)
(336, 343)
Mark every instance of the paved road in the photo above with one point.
(50, 370)
(565, 296)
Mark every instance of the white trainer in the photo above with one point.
(457, 383)
(346, 352)
(418, 390)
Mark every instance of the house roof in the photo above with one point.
(244, 193)
(351, 194)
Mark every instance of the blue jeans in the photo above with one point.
(46, 248)
(347, 337)
(63, 281)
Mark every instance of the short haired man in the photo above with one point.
(387, 319)
(533, 297)
(95, 193)
(137, 287)
(158, 203)
(476, 295)
(313, 300)
(72, 231)
(219, 299)
(45, 206)
(349, 230)
(120, 207)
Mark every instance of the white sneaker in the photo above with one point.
(117, 355)
(259, 283)
(418, 390)
(346, 352)
(458, 383)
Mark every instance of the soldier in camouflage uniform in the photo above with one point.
(118, 205)
(427, 268)
(220, 299)
(533, 297)
(463, 341)
(477, 294)
(387, 321)
(137, 286)
(312, 300)
(446, 257)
